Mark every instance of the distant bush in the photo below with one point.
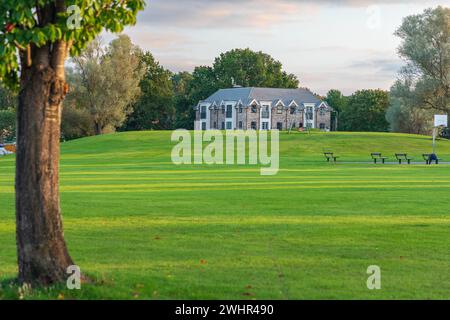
(7, 125)
(76, 123)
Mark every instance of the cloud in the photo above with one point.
(162, 40)
(347, 81)
(229, 14)
(232, 14)
(326, 43)
(380, 65)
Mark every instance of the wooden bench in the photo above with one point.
(428, 160)
(403, 156)
(329, 156)
(377, 156)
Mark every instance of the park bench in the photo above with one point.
(377, 156)
(428, 158)
(403, 156)
(330, 155)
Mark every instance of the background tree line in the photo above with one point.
(8, 102)
(120, 87)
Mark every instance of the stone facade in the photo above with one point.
(279, 118)
(323, 119)
(253, 116)
(283, 109)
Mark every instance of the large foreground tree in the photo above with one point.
(36, 38)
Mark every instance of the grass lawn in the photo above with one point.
(147, 229)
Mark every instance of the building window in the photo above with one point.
(240, 124)
(322, 126)
(300, 125)
(280, 125)
(292, 111)
(240, 109)
(265, 113)
(203, 112)
(322, 112)
(254, 109)
(309, 113)
(203, 125)
(215, 125)
(223, 125)
(253, 125)
(279, 109)
(229, 111)
(229, 125)
(265, 125)
(223, 109)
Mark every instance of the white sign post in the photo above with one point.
(440, 120)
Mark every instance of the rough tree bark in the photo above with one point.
(42, 253)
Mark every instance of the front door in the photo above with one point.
(265, 125)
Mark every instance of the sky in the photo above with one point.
(341, 44)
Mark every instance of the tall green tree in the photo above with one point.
(203, 83)
(183, 102)
(154, 109)
(36, 38)
(426, 49)
(100, 89)
(405, 113)
(338, 102)
(248, 68)
(238, 67)
(366, 111)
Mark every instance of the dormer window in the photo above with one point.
(280, 109)
(254, 109)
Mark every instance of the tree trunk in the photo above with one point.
(98, 129)
(42, 254)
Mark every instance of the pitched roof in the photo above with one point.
(246, 95)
